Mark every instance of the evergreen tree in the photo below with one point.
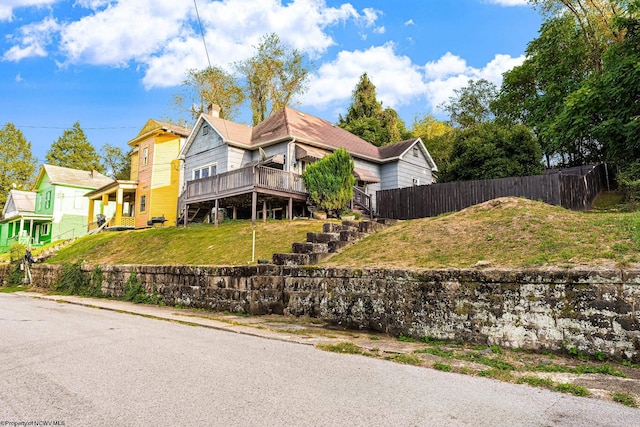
(329, 181)
(17, 164)
(73, 150)
(367, 119)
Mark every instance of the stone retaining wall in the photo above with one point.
(544, 310)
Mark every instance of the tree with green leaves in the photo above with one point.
(437, 136)
(471, 104)
(594, 20)
(273, 76)
(534, 93)
(73, 150)
(17, 164)
(212, 85)
(118, 164)
(367, 119)
(330, 181)
(488, 150)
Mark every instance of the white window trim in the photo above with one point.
(44, 229)
(208, 167)
(415, 180)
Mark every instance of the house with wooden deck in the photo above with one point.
(55, 210)
(256, 171)
(151, 194)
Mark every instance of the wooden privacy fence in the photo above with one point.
(573, 188)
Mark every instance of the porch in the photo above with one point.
(243, 187)
(115, 205)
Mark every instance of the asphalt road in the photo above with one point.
(87, 367)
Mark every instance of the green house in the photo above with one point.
(55, 210)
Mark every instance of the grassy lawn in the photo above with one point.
(198, 244)
(508, 232)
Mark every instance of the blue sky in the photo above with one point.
(112, 65)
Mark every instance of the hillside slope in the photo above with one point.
(198, 244)
(505, 232)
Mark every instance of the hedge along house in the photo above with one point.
(241, 168)
(152, 190)
(56, 210)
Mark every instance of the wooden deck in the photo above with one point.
(254, 180)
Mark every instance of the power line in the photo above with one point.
(202, 33)
(61, 127)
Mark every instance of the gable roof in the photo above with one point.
(20, 201)
(152, 126)
(59, 175)
(291, 124)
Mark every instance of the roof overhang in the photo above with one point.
(125, 186)
(365, 176)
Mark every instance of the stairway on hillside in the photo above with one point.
(333, 239)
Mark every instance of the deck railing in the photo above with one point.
(362, 200)
(239, 181)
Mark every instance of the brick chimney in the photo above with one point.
(94, 174)
(213, 110)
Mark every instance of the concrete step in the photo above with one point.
(331, 227)
(322, 237)
(308, 248)
(291, 260)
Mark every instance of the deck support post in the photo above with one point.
(254, 207)
(215, 214)
(264, 211)
(290, 211)
(186, 215)
(235, 212)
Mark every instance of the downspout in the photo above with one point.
(289, 156)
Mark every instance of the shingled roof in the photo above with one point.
(289, 124)
(74, 177)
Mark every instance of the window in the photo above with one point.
(204, 171)
(415, 151)
(145, 155)
(47, 200)
(143, 203)
(416, 181)
(44, 230)
(205, 129)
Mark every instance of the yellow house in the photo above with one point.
(151, 192)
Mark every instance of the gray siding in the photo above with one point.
(238, 157)
(389, 176)
(206, 150)
(410, 167)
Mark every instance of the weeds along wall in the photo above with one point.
(545, 310)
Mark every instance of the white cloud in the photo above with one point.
(19, 78)
(380, 30)
(409, 22)
(34, 39)
(7, 7)
(397, 79)
(129, 30)
(510, 2)
(162, 37)
(452, 72)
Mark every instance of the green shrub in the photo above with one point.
(330, 181)
(72, 280)
(133, 289)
